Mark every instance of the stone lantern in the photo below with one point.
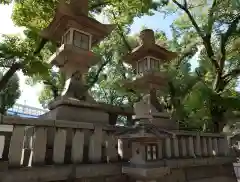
(76, 33)
(153, 127)
(147, 151)
(146, 59)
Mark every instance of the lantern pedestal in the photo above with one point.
(75, 110)
(144, 110)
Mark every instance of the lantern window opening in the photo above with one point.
(145, 60)
(81, 39)
(154, 63)
(151, 152)
(148, 63)
(140, 67)
(66, 38)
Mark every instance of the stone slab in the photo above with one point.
(80, 114)
(59, 173)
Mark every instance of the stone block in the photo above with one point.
(216, 179)
(3, 165)
(185, 163)
(200, 161)
(173, 163)
(78, 113)
(177, 175)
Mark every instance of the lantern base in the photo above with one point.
(66, 108)
(146, 172)
(146, 112)
(160, 120)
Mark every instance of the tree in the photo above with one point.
(17, 54)
(211, 26)
(9, 94)
(216, 26)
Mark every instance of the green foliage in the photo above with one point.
(9, 94)
(198, 100)
(16, 50)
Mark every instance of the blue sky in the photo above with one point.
(29, 94)
(155, 22)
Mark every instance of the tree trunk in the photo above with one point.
(217, 119)
(8, 75)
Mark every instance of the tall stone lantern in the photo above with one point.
(146, 59)
(153, 125)
(76, 33)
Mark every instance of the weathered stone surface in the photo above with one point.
(61, 173)
(177, 175)
(217, 179)
(78, 113)
(209, 172)
(113, 173)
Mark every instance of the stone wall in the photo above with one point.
(119, 178)
(218, 173)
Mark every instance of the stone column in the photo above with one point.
(191, 147)
(95, 146)
(16, 146)
(223, 145)
(183, 147)
(77, 146)
(198, 151)
(39, 146)
(168, 147)
(7, 139)
(124, 149)
(111, 150)
(204, 146)
(175, 147)
(160, 149)
(59, 146)
(215, 146)
(210, 146)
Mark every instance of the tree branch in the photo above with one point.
(225, 37)
(120, 32)
(206, 39)
(185, 4)
(185, 9)
(100, 4)
(8, 75)
(53, 88)
(96, 76)
(200, 76)
(210, 17)
(233, 73)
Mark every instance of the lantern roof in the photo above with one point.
(75, 15)
(145, 133)
(148, 47)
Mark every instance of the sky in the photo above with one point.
(29, 95)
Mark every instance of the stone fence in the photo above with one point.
(193, 144)
(35, 142)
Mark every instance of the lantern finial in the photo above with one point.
(147, 37)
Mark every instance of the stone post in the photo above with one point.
(168, 147)
(175, 147)
(160, 149)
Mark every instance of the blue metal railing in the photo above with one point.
(25, 111)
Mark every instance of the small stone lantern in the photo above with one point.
(146, 143)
